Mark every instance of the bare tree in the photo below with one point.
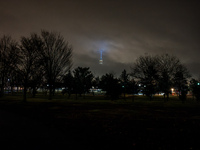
(8, 60)
(180, 79)
(163, 72)
(29, 59)
(167, 68)
(173, 74)
(56, 56)
(146, 70)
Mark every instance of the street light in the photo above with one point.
(172, 90)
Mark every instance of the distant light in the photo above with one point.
(122, 86)
(198, 83)
(100, 61)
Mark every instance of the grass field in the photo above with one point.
(97, 123)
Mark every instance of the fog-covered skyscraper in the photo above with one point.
(101, 59)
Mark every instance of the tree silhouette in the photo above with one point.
(195, 88)
(167, 69)
(111, 85)
(124, 77)
(159, 73)
(29, 60)
(37, 79)
(68, 82)
(56, 55)
(9, 52)
(180, 81)
(146, 70)
(83, 80)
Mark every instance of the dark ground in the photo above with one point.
(96, 125)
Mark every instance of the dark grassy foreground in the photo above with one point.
(95, 123)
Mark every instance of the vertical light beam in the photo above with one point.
(101, 59)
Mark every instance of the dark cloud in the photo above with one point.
(193, 67)
(123, 29)
(109, 65)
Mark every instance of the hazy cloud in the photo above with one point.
(123, 29)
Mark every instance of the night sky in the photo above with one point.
(123, 29)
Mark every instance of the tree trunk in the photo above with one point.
(53, 91)
(2, 86)
(12, 91)
(34, 92)
(167, 96)
(133, 98)
(124, 96)
(150, 97)
(50, 92)
(25, 93)
(69, 94)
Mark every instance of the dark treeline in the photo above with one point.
(160, 74)
(37, 61)
(44, 61)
